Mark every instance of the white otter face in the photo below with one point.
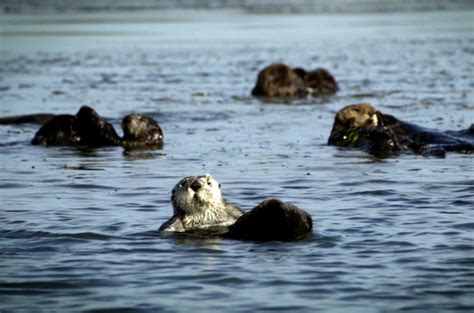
(196, 194)
(358, 115)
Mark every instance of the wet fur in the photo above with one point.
(272, 220)
(280, 81)
(141, 131)
(198, 207)
(363, 126)
(87, 128)
(201, 208)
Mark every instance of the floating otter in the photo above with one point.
(363, 126)
(198, 204)
(141, 131)
(199, 208)
(272, 220)
(87, 128)
(279, 80)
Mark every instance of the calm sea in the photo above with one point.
(78, 226)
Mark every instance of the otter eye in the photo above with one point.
(209, 183)
(219, 186)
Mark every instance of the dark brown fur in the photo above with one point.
(272, 220)
(278, 80)
(199, 209)
(281, 81)
(319, 81)
(141, 131)
(363, 126)
(87, 128)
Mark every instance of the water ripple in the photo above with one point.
(79, 225)
(26, 234)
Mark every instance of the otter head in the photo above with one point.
(279, 80)
(320, 81)
(94, 130)
(141, 131)
(358, 116)
(352, 123)
(86, 114)
(196, 194)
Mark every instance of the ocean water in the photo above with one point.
(78, 227)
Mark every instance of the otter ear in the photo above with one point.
(219, 186)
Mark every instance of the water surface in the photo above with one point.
(78, 226)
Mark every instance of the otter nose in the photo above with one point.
(195, 185)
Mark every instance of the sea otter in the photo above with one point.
(363, 126)
(87, 128)
(199, 207)
(140, 131)
(272, 220)
(279, 80)
(198, 204)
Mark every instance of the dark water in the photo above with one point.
(78, 227)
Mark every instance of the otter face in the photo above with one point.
(195, 194)
(358, 115)
(278, 80)
(139, 126)
(139, 130)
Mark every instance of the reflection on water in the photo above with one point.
(79, 226)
